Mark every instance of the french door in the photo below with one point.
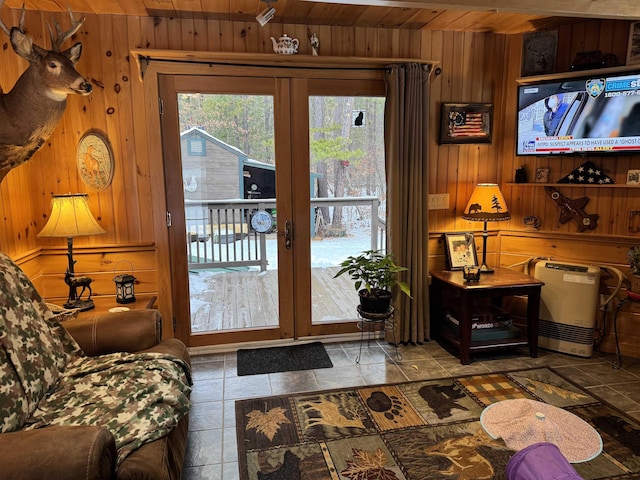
(243, 206)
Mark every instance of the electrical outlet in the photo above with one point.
(438, 201)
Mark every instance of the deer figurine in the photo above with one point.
(30, 112)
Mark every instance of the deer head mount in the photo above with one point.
(30, 112)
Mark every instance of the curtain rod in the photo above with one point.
(145, 60)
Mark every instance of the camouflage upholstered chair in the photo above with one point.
(101, 397)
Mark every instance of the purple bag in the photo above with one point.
(540, 461)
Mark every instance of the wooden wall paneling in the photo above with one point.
(214, 35)
(431, 46)
(105, 261)
(124, 75)
(299, 32)
(619, 41)
(200, 34)
(119, 223)
(101, 203)
(324, 37)
(156, 34)
(174, 34)
(141, 157)
(380, 17)
(597, 249)
(384, 43)
(186, 29)
(226, 37)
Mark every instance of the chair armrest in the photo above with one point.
(58, 453)
(130, 331)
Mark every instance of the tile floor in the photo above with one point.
(211, 447)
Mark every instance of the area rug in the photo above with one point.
(417, 430)
(307, 356)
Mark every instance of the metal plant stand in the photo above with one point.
(375, 322)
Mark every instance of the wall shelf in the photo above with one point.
(573, 185)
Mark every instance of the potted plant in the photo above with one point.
(377, 273)
(633, 257)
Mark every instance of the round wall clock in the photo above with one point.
(95, 161)
(261, 221)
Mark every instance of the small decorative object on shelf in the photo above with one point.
(542, 175)
(521, 174)
(573, 210)
(633, 177)
(532, 222)
(315, 44)
(285, 45)
(587, 173)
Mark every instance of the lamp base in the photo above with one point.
(485, 269)
(82, 305)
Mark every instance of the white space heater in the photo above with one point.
(568, 306)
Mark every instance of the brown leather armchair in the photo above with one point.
(89, 452)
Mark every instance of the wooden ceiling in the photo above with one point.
(498, 16)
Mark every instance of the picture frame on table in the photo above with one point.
(460, 250)
(466, 123)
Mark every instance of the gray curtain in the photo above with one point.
(406, 150)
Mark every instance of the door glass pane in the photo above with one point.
(348, 196)
(228, 169)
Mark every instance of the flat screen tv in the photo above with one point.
(594, 114)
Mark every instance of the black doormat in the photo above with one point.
(283, 359)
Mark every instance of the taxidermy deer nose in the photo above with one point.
(86, 87)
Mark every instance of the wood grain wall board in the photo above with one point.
(53, 286)
(579, 248)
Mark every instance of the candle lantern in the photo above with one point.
(124, 285)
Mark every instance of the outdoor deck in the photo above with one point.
(248, 299)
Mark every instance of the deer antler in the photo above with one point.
(6, 29)
(62, 36)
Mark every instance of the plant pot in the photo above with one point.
(378, 301)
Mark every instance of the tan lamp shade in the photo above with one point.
(71, 217)
(486, 204)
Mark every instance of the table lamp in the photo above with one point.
(486, 205)
(71, 217)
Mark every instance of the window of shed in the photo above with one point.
(197, 146)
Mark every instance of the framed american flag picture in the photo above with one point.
(466, 123)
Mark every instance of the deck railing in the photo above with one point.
(219, 233)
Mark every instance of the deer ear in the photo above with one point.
(22, 44)
(73, 53)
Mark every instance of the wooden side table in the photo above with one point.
(449, 291)
(103, 304)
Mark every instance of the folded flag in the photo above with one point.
(587, 173)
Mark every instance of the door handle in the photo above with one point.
(288, 234)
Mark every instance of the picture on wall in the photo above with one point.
(539, 52)
(466, 123)
(633, 47)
